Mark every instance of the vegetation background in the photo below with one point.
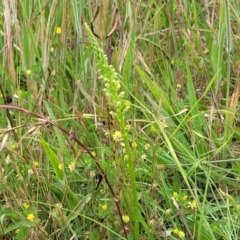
(120, 119)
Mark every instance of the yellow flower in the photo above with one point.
(13, 146)
(17, 231)
(36, 164)
(134, 144)
(28, 72)
(26, 206)
(117, 136)
(175, 231)
(181, 234)
(30, 217)
(72, 166)
(185, 198)
(192, 204)
(104, 207)
(93, 153)
(60, 166)
(58, 30)
(125, 218)
(152, 129)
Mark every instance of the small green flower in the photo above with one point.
(30, 171)
(185, 198)
(72, 166)
(193, 204)
(117, 136)
(181, 234)
(175, 195)
(168, 211)
(134, 144)
(147, 146)
(152, 129)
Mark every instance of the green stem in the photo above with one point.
(130, 161)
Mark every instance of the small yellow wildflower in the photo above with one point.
(181, 234)
(72, 166)
(28, 72)
(58, 30)
(17, 231)
(152, 129)
(185, 198)
(192, 204)
(175, 231)
(134, 144)
(52, 49)
(26, 206)
(104, 207)
(94, 154)
(172, 62)
(117, 136)
(125, 218)
(36, 164)
(13, 146)
(30, 217)
(60, 166)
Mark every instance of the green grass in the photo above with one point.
(133, 134)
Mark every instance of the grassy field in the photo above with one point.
(120, 119)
